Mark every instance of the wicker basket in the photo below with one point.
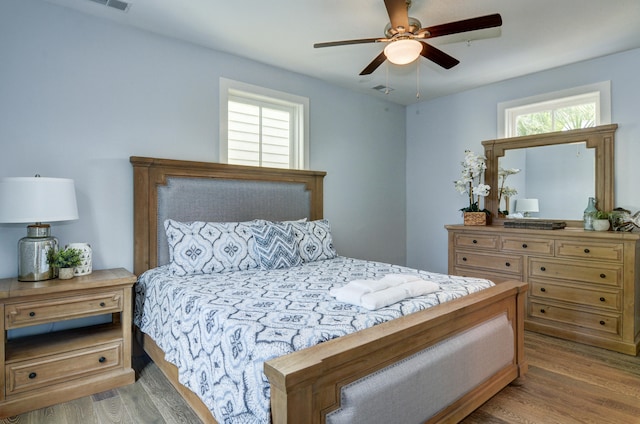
(475, 218)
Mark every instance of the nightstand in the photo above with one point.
(45, 369)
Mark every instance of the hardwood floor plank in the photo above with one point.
(112, 410)
(139, 404)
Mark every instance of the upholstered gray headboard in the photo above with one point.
(201, 191)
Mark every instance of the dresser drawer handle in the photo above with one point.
(602, 322)
(524, 245)
(475, 242)
(507, 264)
(586, 251)
(32, 314)
(542, 289)
(464, 259)
(543, 268)
(102, 359)
(602, 299)
(32, 375)
(102, 304)
(603, 276)
(542, 311)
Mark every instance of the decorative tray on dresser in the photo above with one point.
(583, 285)
(45, 369)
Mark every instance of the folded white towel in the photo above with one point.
(382, 298)
(395, 279)
(419, 288)
(370, 285)
(375, 294)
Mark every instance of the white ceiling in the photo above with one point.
(535, 35)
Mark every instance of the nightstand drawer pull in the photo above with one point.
(102, 359)
(542, 289)
(507, 264)
(602, 322)
(586, 251)
(603, 276)
(32, 375)
(602, 299)
(102, 304)
(32, 314)
(475, 242)
(542, 311)
(524, 245)
(464, 258)
(543, 268)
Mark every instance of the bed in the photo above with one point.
(435, 361)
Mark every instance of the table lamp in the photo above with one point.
(526, 206)
(36, 200)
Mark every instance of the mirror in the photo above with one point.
(561, 170)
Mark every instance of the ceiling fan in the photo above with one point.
(404, 36)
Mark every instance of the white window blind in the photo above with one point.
(262, 127)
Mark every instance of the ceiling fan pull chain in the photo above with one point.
(417, 80)
(386, 84)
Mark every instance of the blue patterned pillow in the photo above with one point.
(314, 240)
(276, 246)
(208, 247)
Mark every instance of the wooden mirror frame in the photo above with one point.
(600, 138)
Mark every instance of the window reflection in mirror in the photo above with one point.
(562, 177)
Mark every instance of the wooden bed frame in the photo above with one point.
(306, 385)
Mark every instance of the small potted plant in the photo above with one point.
(601, 221)
(64, 261)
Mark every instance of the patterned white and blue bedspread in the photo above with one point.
(219, 329)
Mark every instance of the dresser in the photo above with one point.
(41, 369)
(583, 285)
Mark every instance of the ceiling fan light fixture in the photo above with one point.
(402, 52)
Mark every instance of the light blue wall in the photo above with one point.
(79, 95)
(438, 132)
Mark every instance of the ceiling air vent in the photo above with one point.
(116, 4)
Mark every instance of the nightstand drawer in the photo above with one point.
(63, 308)
(590, 250)
(48, 370)
(500, 263)
(479, 241)
(578, 295)
(579, 271)
(609, 324)
(527, 245)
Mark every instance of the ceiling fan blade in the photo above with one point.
(379, 60)
(438, 56)
(482, 22)
(398, 13)
(347, 42)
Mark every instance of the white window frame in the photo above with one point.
(599, 92)
(299, 148)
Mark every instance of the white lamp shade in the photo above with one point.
(527, 205)
(402, 52)
(37, 199)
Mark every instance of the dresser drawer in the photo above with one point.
(500, 263)
(610, 299)
(496, 277)
(48, 370)
(64, 308)
(580, 271)
(590, 250)
(527, 245)
(479, 241)
(609, 324)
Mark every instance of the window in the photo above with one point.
(581, 107)
(261, 127)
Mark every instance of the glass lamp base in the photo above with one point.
(32, 255)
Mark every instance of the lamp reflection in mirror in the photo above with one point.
(526, 206)
(402, 52)
(36, 200)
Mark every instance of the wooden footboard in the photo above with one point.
(306, 385)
